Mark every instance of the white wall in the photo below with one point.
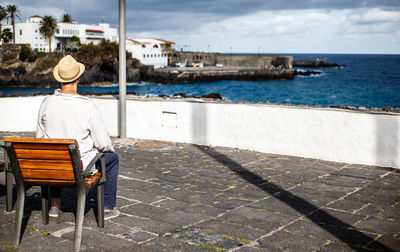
(328, 134)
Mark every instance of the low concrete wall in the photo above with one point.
(328, 134)
(244, 60)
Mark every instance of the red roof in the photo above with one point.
(36, 16)
(89, 30)
(134, 41)
(165, 41)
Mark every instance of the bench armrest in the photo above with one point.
(100, 156)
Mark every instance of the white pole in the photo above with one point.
(122, 71)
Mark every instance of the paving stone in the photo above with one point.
(286, 241)
(195, 198)
(204, 239)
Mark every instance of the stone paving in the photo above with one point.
(181, 197)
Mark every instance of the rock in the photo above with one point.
(306, 73)
(342, 106)
(2, 94)
(315, 63)
(213, 96)
(397, 109)
(388, 109)
(183, 95)
(351, 107)
(376, 109)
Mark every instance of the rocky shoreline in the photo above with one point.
(315, 63)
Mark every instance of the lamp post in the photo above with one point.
(122, 72)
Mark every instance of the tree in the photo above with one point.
(3, 15)
(66, 18)
(6, 35)
(13, 12)
(48, 27)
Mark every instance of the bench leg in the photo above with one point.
(19, 213)
(45, 204)
(80, 213)
(9, 189)
(100, 205)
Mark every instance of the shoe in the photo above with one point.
(111, 213)
(54, 212)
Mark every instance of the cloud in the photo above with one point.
(286, 25)
(372, 22)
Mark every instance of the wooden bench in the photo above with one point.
(5, 166)
(53, 162)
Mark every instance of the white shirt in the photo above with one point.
(74, 117)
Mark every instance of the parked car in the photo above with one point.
(219, 65)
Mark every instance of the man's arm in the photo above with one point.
(40, 127)
(99, 133)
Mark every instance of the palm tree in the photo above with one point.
(13, 12)
(48, 27)
(66, 18)
(3, 15)
(6, 35)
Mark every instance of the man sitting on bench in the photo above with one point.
(66, 114)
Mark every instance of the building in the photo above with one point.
(28, 33)
(156, 52)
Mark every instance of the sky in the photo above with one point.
(244, 26)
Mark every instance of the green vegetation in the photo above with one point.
(45, 233)
(66, 18)
(8, 246)
(48, 27)
(45, 63)
(208, 246)
(7, 35)
(32, 228)
(104, 49)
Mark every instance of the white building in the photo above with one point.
(28, 33)
(156, 52)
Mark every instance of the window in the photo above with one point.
(143, 46)
(144, 55)
(58, 30)
(155, 46)
(20, 32)
(152, 55)
(36, 30)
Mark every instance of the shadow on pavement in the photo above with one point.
(341, 230)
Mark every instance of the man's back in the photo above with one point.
(73, 116)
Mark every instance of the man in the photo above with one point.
(66, 114)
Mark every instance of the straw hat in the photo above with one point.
(68, 69)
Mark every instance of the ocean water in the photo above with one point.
(368, 80)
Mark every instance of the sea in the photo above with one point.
(367, 80)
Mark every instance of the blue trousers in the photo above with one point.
(110, 187)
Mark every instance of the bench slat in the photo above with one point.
(42, 154)
(48, 182)
(47, 174)
(39, 140)
(40, 146)
(45, 164)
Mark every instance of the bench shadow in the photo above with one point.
(341, 230)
